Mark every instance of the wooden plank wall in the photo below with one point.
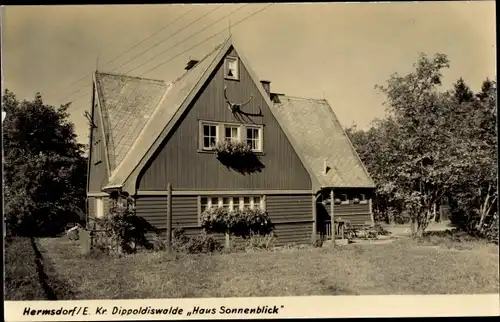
(179, 161)
(292, 216)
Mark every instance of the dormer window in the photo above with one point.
(231, 68)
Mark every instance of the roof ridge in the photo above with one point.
(305, 98)
(133, 77)
(200, 61)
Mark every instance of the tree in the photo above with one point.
(44, 166)
(426, 159)
(475, 199)
(377, 148)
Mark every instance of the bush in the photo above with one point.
(260, 242)
(243, 223)
(381, 231)
(123, 229)
(202, 243)
(317, 242)
(490, 229)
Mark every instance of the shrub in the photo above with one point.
(317, 242)
(260, 242)
(381, 231)
(243, 223)
(123, 229)
(490, 229)
(202, 243)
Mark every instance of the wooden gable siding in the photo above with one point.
(98, 176)
(179, 162)
(291, 214)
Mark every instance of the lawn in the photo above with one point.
(401, 267)
(21, 273)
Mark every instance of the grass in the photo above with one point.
(401, 267)
(21, 275)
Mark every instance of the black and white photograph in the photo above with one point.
(267, 150)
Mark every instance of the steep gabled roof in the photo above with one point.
(321, 141)
(165, 115)
(310, 125)
(126, 104)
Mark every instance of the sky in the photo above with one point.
(336, 51)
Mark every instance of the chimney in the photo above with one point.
(267, 86)
(191, 64)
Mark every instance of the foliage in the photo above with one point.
(123, 228)
(45, 168)
(238, 156)
(202, 243)
(238, 222)
(231, 148)
(317, 242)
(260, 242)
(432, 146)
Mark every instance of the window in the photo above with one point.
(232, 133)
(362, 199)
(231, 68)
(99, 207)
(97, 151)
(227, 203)
(209, 136)
(233, 203)
(254, 138)
(344, 199)
(207, 203)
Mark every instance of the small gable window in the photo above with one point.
(231, 68)
(209, 136)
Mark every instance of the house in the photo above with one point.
(148, 133)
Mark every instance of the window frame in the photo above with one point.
(260, 140)
(232, 126)
(226, 68)
(202, 135)
(235, 202)
(220, 128)
(362, 199)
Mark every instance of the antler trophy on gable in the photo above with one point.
(233, 106)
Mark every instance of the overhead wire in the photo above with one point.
(198, 44)
(132, 47)
(154, 45)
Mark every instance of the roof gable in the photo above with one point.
(310, 125)
(179, 95)
(321, 140)
(126, 103)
